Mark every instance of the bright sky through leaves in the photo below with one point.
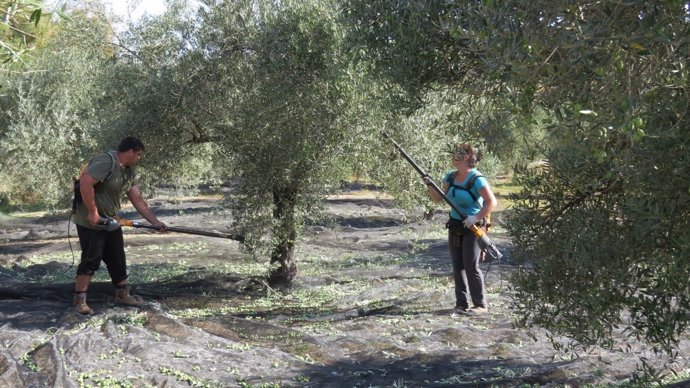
(135, 9)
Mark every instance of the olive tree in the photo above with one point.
(260, 87)
(91, 86)
(606, 218)
(286, 122)
(428, 134)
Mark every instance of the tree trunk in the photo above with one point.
(285, 234)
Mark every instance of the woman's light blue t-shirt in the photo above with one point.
(461, 198)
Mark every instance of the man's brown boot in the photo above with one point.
(123, 297)
(80, 303)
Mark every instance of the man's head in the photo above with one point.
(130, 143)
(130, 150)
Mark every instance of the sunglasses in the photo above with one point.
(459, 156)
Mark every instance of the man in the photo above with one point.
(107, 177)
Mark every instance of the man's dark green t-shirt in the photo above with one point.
(114, 182)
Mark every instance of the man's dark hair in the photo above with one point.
(130, 143)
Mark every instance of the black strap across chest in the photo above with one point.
(466, 187)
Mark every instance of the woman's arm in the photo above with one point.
(435, 196)
(489, 202)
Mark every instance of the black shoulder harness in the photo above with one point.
(467, 187)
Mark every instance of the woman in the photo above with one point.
(471, 193)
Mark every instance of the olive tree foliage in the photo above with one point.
(21, 31)
(49, 114)
(159, 90)
(414, 50)
(605, 219)
(96, 85)
(17, 18)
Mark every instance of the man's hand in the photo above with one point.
(161, 225)
(469, 221)
(427, 180)
(94, 218)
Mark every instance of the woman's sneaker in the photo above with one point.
(478, 310)
(460, 310)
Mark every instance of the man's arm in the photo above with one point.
(88, 195)
(134, 195)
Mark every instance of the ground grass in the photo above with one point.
(298, 305)
(14, 212)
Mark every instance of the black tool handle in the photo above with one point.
(136, 224)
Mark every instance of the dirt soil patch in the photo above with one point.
(371, 308)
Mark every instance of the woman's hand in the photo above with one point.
(469, 221)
